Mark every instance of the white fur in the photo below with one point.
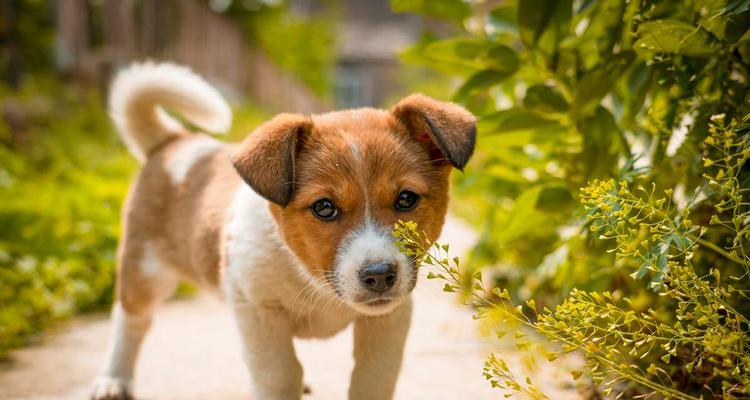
(246, 237)
(262, 278)
(187, 153)
(128, 331)
(150, 265)
(260, 268)
(139, 92)
(354, 146)
(371, 244)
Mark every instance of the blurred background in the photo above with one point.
(652, 95)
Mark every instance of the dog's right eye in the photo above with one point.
(325, 210)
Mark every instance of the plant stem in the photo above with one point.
(720, 251)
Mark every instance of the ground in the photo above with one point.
(193, 352)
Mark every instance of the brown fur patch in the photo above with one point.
(361, 160)
(181, 222)
(265, 160)
(451, 128)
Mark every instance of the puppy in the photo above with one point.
(292, 227)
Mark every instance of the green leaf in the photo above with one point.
(598, 82)
(517, 127)
(726, 20)
(418, 54)
(544, 99)
(735, 7)
(500, 58)
(500, 170)
(674, 37)
(555, 198)
(452, 10)
(503, 20)
(481, 80)
(523, 210)
(513, 120)
(537, 16)
(464, 50)
(600, 146)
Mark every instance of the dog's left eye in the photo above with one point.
(406, 201)
(325, 210)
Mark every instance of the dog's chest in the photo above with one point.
(319, 323)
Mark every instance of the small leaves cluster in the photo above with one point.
(435, 256)
(700, 336)
(496, 371)
(645, 226)
(727, 152)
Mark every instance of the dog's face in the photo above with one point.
(338, 183)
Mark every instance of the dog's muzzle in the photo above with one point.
(378, 278)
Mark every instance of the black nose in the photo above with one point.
(378, 277)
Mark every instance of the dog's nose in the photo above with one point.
(378, 277)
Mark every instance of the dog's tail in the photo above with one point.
(139, 92)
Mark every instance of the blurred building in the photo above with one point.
(94, 38)
(370, 36)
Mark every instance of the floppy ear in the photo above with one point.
(265, 160)
(446, 129)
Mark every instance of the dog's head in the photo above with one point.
(338, 182)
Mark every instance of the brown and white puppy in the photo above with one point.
(292, 227)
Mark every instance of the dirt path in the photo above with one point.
(193, 353)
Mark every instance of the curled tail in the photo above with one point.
(139, 92)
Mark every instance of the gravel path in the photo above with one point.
(192, 352)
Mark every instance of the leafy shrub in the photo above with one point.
(650, 284)
(61, 185)
(694, 344)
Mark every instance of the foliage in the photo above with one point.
(25, 39)
(301, 44)
(576, 93)
(696, 345)
(61, 185)
(644, 104)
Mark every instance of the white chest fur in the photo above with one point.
(260, 270)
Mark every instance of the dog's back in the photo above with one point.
(176, 208)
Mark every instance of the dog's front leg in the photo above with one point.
(378, 352)
(275, 372)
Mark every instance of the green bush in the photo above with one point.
(611, 96)
(61, 185)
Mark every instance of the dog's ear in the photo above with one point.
(265, 160)
(447, 130)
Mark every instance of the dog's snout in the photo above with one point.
(378, 277)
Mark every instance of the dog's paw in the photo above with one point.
(109, 388)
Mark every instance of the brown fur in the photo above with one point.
(360, 159)
(183, 221)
